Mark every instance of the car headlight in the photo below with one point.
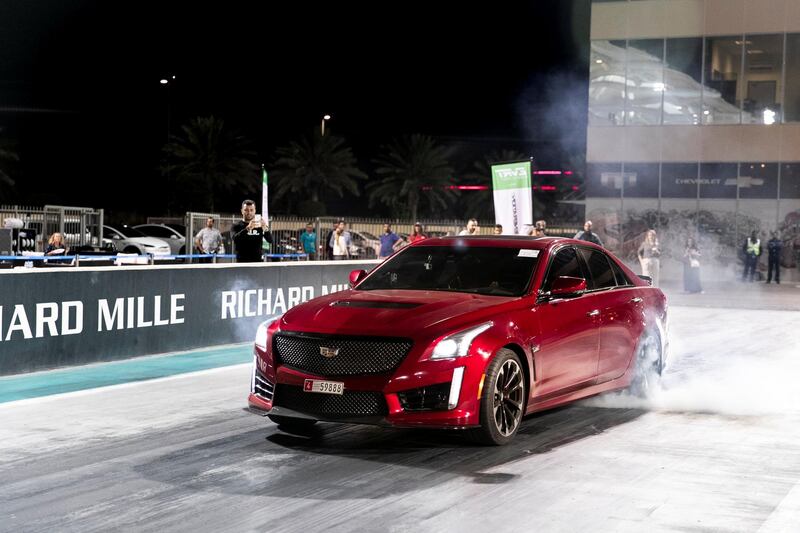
(457, 344)
(261, 333)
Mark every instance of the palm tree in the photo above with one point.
(8, 154)
(209, 159)
(413, 170)
(314, 166)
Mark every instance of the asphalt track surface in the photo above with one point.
(717, 450)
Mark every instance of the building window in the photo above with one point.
(679, 180)
(718, 180)
(758, 180)
(683, 73)
(607, 83)
(791, 103)
(645, 81)
(640, 180)
(722, 75)
(604, 180)
(763, 64)
(790, 180)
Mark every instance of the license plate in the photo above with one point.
(325, 387)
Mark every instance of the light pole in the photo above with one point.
(166, 83)
(322, 125)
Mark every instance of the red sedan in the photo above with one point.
(467, 333)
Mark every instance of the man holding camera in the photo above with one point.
(247, 234)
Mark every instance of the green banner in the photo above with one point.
(511, 176)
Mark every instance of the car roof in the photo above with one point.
(499, 241)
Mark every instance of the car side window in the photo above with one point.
(622, 279)
(565, 263)
(156, 231)
(601, 273)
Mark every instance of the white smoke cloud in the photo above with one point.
(725, 361)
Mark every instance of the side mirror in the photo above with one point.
(356, 276)
(567, 286)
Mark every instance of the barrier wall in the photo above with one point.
(60, 317)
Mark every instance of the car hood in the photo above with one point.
(394, 313)
(148, 241)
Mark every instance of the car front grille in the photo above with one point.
(344, 356)
(346, 405)
(263, 388)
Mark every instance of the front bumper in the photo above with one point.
(377, 399)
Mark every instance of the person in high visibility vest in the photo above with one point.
(752, 250)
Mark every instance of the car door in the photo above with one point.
(620, 313)
(566, 336)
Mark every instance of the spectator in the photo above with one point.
(541, 225)
(498, 229)
(56, 245)
(328, 235)
(588, 235)
(774, 247)
(691, 267)
(309, 242)
(649, 256)
(341, 242)
(209, 240)
(388, 241)
(752, 251)
(416, 234)
(538, 232)
(471, 229)
(249, 233)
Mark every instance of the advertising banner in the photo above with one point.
(61, 317)
(513, 198)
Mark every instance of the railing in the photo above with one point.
(80, 226)
(31, 260)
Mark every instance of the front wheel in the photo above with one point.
(502, 402)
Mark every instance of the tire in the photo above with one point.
(290, 423)
(647, 372)
(132, 250)
(503, 400)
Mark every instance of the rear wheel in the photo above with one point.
(502, 401)
(288, 422)
(647, 373)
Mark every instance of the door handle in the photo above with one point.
(636, 300)
(593, 313)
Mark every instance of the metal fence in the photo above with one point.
(80, 226)
(365, 232)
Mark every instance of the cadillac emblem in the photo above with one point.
(324, 351)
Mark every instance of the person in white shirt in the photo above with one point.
(471, 229)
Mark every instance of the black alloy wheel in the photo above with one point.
(502, 402)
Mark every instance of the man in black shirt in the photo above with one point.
(248, 233)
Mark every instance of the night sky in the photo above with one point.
(80, 92)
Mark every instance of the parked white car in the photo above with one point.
(130, 240)
(366, 244)
(173, 237)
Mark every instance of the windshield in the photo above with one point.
(479, 269)
(128, 231)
